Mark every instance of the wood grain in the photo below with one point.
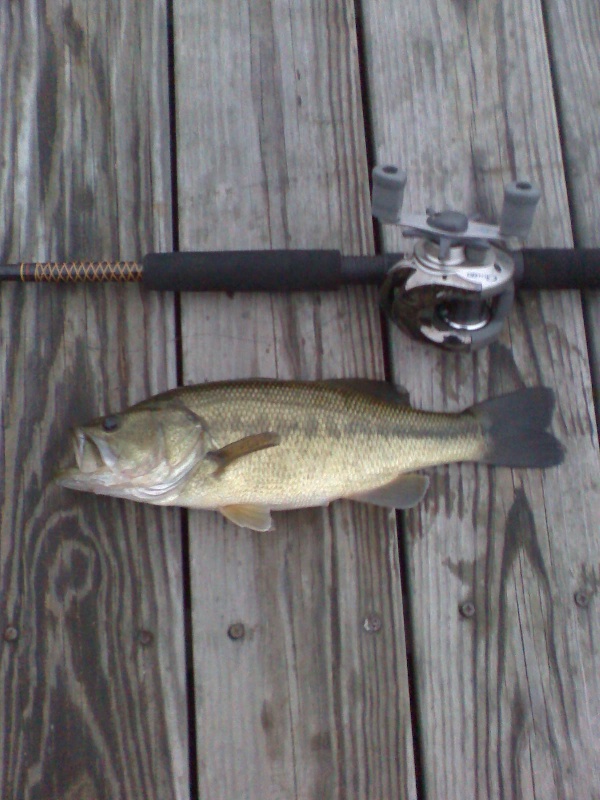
(271, 149)
(509, 699)
(573, 31)
(92, 664)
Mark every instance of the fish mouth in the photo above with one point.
(94, 458)
(91, 452)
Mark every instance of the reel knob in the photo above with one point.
(520, 201)
(388, 192)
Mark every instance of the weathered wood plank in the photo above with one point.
(509, 700)
(272, 154)
(93, 674)
(574, 32)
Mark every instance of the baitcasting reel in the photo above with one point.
(458, 287)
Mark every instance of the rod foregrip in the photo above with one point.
(73, 271)
(243, 271)
(558, 268)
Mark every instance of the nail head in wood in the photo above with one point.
(145, 638)
(467, 609)
(236, 631)
(582, 598)
(11, 634)
(372, 623)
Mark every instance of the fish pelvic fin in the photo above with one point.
(243, 447)
(248, 515)
(515, 429)
(405, 491)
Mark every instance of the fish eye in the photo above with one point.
(110, 424)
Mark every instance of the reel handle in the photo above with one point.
(520, 202)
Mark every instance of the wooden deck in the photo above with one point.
(118, 677)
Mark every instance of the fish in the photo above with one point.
(249, 447)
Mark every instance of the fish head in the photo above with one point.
(141, 454)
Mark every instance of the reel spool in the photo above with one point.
(458, 287)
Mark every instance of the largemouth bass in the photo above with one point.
(245, 448)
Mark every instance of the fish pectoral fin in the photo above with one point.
(404, 491)
(243, 447)
(248, 515)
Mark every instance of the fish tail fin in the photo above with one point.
(515, 429)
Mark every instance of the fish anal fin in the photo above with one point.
(405, 491)
(225, 456)
(379, 389)
(248, 515)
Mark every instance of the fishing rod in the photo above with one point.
(454, 290)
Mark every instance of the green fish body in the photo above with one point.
(246, 448)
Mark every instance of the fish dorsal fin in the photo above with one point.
(225, 456)
(249, 515)
(378, 389)
(404, 491)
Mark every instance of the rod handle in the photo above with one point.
(244, 271)
(558, 268)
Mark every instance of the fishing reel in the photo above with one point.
(457, 288)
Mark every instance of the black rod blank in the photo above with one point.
(291, 270)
